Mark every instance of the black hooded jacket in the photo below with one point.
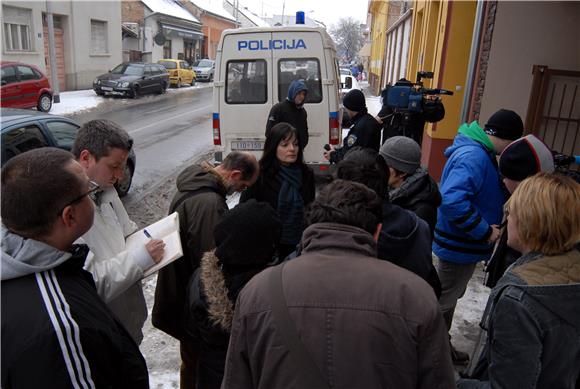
(405, 241)
(287, 111)
(419, 194)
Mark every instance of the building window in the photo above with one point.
(17, 28)
(167, 49)
(99, 37)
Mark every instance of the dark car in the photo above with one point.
(133, 79)
(204, 70)
(25, 86)
(26, 130)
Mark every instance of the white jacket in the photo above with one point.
(117, 272)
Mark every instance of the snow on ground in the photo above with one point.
(81, 100)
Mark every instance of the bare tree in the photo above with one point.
(348, 36)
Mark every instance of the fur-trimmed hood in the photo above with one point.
(213, 284)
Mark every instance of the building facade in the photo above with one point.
(158, 29)
(87, 38)
(214, 18)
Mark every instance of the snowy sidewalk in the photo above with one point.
(81, 100)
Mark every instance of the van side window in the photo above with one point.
(305, 69)
(246, 82)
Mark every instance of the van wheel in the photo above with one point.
(44, 102)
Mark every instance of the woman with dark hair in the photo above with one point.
(285, 182)
(245, 244)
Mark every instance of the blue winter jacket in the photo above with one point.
(472, 200)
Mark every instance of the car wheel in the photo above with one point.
(211, 78)
(124, 185)
(193, 82)
(134, 92)
(163, 88)
(99, 93)
(179, 84)
(44, 102)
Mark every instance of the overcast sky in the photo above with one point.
(326, 11)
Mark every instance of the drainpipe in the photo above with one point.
(472, 60)
(52, 54)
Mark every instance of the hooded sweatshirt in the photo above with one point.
(472, 198)
(56, 331)
(287, 111)
(405, 240)
(198, 216)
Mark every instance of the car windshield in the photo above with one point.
(128, 70)
(205, 64)
(169, 64)
(344, 72)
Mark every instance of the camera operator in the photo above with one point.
(397, 122)
(364, 132)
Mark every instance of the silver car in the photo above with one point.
(204, 69)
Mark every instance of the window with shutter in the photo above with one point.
(99, 37)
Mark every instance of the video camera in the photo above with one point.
(406, 96)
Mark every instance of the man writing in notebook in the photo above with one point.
(101, 148)
(200, 201)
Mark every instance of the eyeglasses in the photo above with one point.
(93, 188)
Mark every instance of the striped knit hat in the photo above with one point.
(525, 157)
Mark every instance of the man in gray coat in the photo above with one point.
(360, 322)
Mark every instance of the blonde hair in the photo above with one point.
(547, 209)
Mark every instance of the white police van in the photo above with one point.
(254, 67)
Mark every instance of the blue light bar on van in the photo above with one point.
(300, 17)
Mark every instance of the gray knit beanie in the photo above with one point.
(402, 154)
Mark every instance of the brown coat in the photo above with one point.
(367, 323)
(198, 216)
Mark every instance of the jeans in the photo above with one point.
(454, 278)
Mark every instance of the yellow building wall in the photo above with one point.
(379, 12)
(441, 42)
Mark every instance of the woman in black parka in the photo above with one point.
(245, 245)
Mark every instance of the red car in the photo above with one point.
(25, 86)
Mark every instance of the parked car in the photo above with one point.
(23, 130)
(180, 72)
(133, 79)
(347, 83)
(25, 86)
(204, 69)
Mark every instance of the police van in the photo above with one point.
(254, 67)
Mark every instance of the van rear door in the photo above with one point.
(243, 95)
(301, 56)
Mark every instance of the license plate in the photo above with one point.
(247, 145)
(107, 88)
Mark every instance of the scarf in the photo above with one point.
(290, 204)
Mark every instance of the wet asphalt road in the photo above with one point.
(169, 131)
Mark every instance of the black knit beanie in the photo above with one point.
(505, 124)
(355, 101)
(524, 158)
(247, 234)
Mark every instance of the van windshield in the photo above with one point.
(246, 82)
(305, 69)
